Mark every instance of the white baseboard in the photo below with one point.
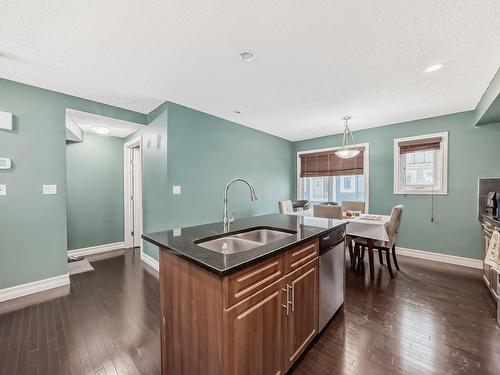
(33, 287)
(150, 261)
(96, 249)
(443, 258)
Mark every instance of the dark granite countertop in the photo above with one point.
(181, 241)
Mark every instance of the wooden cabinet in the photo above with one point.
(257, 321)
(489, 274)
(302, 322)
(256, 333)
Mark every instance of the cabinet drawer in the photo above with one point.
(249, 281)
(297, 257)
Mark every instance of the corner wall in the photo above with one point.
(33, 241)
(201, 153)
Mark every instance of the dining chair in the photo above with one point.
(285, 207)
(392, 228)
(354, 206)
(328, 211)
(300, 205)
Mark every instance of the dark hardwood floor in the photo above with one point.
(432, 319)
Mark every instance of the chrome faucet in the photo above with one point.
(253, 197)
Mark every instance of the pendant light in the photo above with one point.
(347, 152)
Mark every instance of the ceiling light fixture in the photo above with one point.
(347, 152)
(237, 111)
(246, 56)
(433, 68)
(100, 130)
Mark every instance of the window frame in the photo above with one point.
(342, 189)
(366, 168)
(440, 168)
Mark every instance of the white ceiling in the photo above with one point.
(86, 121)
(315, 61)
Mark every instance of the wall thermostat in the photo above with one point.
(5, 163)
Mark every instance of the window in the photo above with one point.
(322, 177)
(420, 164)
(347, 184)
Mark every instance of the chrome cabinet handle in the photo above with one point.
(287, 299)
(293, 297)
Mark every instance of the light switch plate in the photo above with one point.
(176, 189)
(3, 189)
(5, 163)
(49, 189)
(5, 120)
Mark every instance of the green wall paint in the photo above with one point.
(155, 188)
(473, 153)
(488, 108)
(94, 189)
(33, 239)
(204, 152)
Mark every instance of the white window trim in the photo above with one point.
(353, 185)
(366, 168)
(399, 187)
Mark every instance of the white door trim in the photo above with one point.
(127, 189)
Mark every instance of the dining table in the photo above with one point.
(369, 226)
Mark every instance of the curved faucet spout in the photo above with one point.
(253, 197)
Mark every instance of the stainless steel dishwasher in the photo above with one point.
(331, 274)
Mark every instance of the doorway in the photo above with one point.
(133, 193)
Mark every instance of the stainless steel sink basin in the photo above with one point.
(237, 242)
(263, 235)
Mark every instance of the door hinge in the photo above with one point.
(131, 197)
(132, 233)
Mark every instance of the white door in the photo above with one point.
(136, 197)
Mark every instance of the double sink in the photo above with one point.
(231, 243)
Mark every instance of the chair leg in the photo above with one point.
(381, 260)
(389, 267)
(351, 255)
(394, 257)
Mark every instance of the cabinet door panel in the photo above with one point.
(302, 324)
(255, 333)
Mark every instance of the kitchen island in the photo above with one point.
(242, 302)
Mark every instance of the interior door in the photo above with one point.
(136, 196)
(302, 323)
(256, 336)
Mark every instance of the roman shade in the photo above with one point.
(326, 163)
(415, 145)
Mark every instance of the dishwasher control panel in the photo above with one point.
(331, 238)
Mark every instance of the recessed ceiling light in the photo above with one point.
(237, 111)
(100, 130)
(246, 56)
(433, 68)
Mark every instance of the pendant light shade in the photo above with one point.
(347, 152)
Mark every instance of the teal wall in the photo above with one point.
(488, 108)
(155, 188)
(94, 189)
(473, 153)
(33, 240)
(203, 153)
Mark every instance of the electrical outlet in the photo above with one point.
(3, 189)
(176, 189)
